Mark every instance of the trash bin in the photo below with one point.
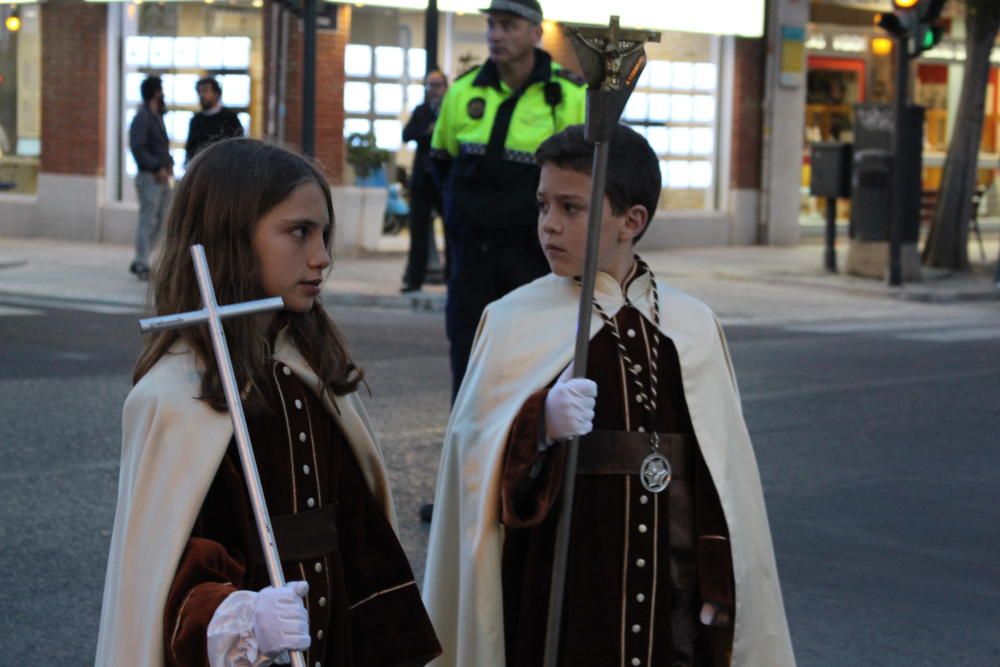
(871, 185)
(830, 169)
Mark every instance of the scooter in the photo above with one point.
(397, 207)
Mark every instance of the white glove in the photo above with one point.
(281, 622)
(569, 407)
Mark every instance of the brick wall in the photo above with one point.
(74, 62)
(329, 130)
(748, 113)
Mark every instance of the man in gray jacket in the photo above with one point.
(150, 146)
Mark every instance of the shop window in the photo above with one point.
(182, 44)
(675, 106)
(389, 98)
(389, 62)
(383, 84)
(358, 60)
(682, 76)
(357, 97)
(357, 126)
(20, 98)
(388, 134)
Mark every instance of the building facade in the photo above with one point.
(707, 102)
(849, 62)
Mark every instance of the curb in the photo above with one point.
(913, 292)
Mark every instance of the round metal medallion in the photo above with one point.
(655, 472)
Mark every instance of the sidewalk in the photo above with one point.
(802, 266)
(98, 273)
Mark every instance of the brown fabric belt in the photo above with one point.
(622, 452)
(309, 534)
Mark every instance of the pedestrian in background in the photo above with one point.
(492, 120)
(425, 195)
(213, 122)
(150, 146)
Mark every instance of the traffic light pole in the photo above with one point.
(830, 253)
(898, 193)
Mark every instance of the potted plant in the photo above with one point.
(367, 159)
(361, 209)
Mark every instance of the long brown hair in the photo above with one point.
(228, 187)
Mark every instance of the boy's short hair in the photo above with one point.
(633, 168)
(210, 81)
(150, 86)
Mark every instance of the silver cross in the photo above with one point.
(214, 314)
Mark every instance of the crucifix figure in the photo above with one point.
(612, 61)
(213, 314)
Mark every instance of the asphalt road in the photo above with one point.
(877, 446)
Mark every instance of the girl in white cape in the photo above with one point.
(186, 584)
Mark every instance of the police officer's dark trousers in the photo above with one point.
(484, 266)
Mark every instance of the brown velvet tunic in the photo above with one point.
(641, 564)
(364, 606)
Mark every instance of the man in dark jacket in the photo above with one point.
(213, 122)
(425, 196)
(150, 146)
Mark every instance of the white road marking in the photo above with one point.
(10, 311)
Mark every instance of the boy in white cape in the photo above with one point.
(679, 574)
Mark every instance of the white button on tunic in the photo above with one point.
(636, 629)
(286, 370)
(641, 562)
(298, 404)
(318, 567)
(311, 502)
(636, 662)
(642, 528)
(643, 499)
(322, 602)
(630, 333)
(640, 598)
(302, 437)
(305, 470)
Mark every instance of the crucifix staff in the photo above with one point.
(213, 314)
(612, 60)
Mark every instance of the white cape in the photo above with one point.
(523, 342)
(172, 445)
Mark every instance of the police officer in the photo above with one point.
(491, 121)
